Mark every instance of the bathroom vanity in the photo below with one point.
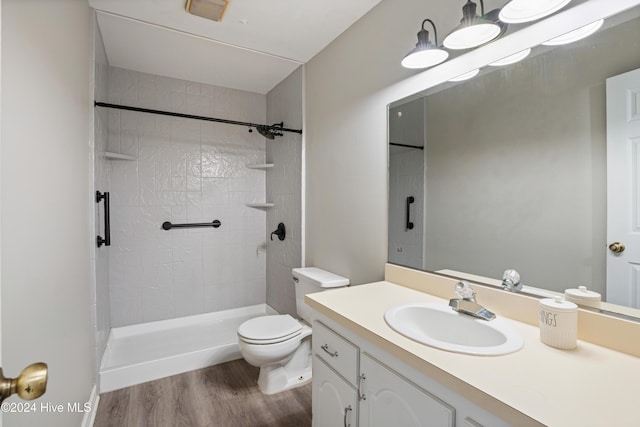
(366, 374)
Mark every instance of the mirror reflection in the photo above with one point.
(509, 170)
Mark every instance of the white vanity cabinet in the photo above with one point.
(355, 383)
(351, 388)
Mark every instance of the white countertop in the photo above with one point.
(588, 386)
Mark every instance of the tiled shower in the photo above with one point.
(159, 168)
(185, 171)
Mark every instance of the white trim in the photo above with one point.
(90, 417)
(303, 172)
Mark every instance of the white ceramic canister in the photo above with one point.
(583, 296)
(558, 323)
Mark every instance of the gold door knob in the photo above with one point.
(30, 384)
(617, 247)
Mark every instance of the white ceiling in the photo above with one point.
(256, 45)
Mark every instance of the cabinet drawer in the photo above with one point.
(339, 353)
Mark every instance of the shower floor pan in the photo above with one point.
(139, 353)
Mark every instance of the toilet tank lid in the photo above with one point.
(320, 277)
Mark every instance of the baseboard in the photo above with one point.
(90, 416)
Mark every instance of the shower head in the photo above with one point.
(265, 131)
(270, 132)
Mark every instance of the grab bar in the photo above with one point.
(409, 225)
(168, 225)
(107, 223)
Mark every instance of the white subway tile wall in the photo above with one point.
(186, 171)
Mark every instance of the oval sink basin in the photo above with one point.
(439, 326)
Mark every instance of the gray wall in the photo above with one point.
(407, 179)
(47, 200)
(347, 91)
(516, 166)
(348, 87)
(284, 189)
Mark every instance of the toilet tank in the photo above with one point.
(312, 279)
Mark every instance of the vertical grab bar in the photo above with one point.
(409, 225)
(107, 223)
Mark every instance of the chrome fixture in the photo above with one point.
(511, 281)
(467, 303)
(519, 11)
(475, 30)
(425, 54)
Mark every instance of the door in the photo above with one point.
(334, 400)
(390, 400)
(623, 189)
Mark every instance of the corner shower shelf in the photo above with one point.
(261, 166)
(260, 205)
(116, 156)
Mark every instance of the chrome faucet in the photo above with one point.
(467, 303)
(511, 281)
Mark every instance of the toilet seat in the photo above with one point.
(273, 329)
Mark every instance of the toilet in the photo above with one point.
(280, 345)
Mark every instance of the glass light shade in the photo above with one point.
(426, 57)
(468, 36)
(518, 11)
(466, 76)
(575, 35)
(512, 59)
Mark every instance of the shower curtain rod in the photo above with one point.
(405, 145)
(191, 116)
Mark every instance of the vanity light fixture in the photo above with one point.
(518, 11)
(512, 59)
(425, 54)
(475, 30)
(466, 76)
(575, 35)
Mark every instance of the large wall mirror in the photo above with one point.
(509, 170)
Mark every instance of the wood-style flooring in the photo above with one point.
(224, 395)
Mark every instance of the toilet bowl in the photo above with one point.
(280, 345)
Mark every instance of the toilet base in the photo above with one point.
(295, 373)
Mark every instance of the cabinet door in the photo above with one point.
(334, 399)
(391, 400)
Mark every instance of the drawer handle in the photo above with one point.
(346, 412)
(326, 350)
(361, 378)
